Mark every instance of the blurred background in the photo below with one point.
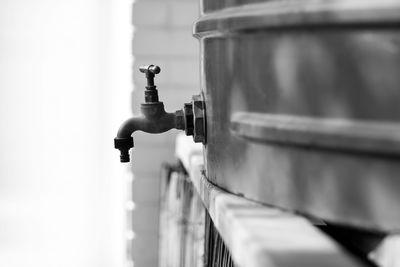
(68, 78)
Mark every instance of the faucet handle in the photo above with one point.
(150, 69)
(151, 94)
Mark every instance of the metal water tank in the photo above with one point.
(302, 105)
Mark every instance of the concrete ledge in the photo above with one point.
(258, 235)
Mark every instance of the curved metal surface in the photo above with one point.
(300, 6)
(356, 136)
(299, 14)
(347, 73)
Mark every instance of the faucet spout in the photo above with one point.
(154, 119)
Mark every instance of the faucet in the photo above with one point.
(154, 119)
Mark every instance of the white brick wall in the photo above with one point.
(182, 13)
(164, 42)
(163, 36)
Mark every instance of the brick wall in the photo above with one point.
(163, 36)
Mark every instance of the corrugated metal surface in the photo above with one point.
(216, 252)
(181, 221)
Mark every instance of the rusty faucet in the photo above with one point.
(155, 119)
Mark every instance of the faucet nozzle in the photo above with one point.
(123, 144)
